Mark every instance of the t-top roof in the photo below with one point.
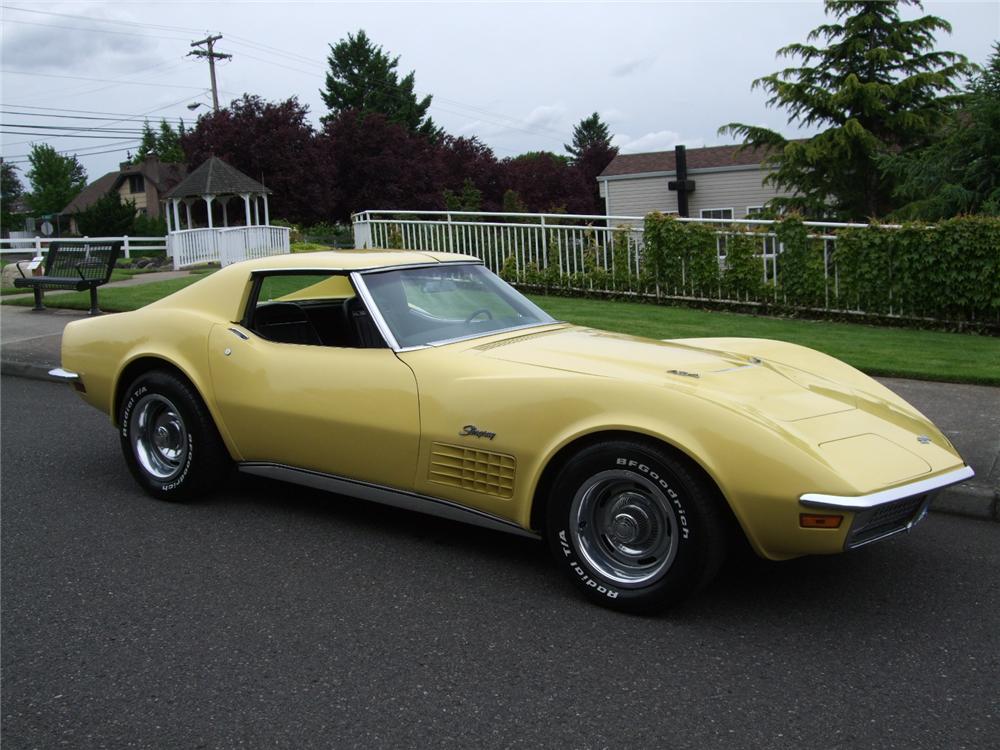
(215, 177)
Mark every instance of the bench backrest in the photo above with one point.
(92, 262)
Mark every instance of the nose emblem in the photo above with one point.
(923, 439)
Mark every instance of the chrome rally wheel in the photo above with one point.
(624, 527)
(159, 437)
(636, 525)
(168, 438)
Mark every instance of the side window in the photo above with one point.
(311, 309)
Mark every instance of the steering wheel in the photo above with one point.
(480, 311)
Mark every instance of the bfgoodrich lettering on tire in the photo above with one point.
(634, 526)
(169, 440)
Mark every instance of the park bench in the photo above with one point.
(76, 268)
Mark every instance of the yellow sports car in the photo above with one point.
(422, 380)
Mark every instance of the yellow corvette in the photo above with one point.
(422, 380)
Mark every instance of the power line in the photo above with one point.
(78, 29)
(69, 117)
(79, 129)
(102, 20)
(61, 135)
(102, 80)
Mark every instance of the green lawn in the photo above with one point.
(115, 299)
(901, 352)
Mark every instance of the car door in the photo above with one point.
(350, 412)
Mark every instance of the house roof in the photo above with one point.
(708, 157)
(98, 188)
(162, 175)
(215, 177)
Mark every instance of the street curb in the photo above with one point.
(971, 501)
(27, 370)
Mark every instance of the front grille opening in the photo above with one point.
(885, 520)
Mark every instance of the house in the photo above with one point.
(721, 182)
(146, 184)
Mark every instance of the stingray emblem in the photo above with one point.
(923, 440)
(470, 430)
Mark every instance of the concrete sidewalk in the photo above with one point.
(968, 414)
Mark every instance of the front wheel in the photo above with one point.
(635, 527)
(169, 440)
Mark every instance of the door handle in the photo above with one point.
(240, 333)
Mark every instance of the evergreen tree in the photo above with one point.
(108, 216)
(10, 191)
(592, 152)
(164, 145)
(960, 171)
(589, 133)
(55, 179)
(362, 77)
(876, 85)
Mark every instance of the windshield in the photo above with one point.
(428, 305)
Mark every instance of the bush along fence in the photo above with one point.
(946, 273)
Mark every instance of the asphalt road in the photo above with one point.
(269, 616)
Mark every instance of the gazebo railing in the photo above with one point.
(226, 245)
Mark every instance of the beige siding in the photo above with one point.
(735, 189)
(639, 196)
(138, 198)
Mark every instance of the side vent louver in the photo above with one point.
(475, 470)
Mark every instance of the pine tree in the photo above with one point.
(876, 85)
(362, 77)
(592, 152)
(960, 171)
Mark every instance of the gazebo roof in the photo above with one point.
(215, 177)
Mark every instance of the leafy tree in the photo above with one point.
(379, 164)
(55, 179)
(273, 143)
(463, 160)
(959, 172)
(876, 85)
(108, 216)
(546, 182)
(11, 191)
(592, 152)
(364, 78)
(469, 199)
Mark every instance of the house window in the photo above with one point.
(754, 211)
(136, 184)
(716, 213)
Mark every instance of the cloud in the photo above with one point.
(632, 66)
(660, 140)
(551, 116)
(36, 46)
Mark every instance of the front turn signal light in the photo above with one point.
(819, 521)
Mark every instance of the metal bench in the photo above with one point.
(77, 268)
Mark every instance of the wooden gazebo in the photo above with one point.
(216, 182)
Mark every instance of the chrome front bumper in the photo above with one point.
(880, 515)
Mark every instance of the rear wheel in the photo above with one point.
(169, 440)
(636, 528)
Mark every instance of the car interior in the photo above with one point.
(309, 316)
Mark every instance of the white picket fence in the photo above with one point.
(225, 245)
(38, 246)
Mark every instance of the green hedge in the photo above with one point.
(946, 272)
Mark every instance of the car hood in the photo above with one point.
(756, 383)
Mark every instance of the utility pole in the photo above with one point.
(212, 57)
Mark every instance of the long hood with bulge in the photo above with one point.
(845, 419)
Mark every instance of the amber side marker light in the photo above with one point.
(819, 521)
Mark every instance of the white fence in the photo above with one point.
(21, 245)
(527, 240)
(226, 245)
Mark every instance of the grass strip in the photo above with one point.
(876, 350)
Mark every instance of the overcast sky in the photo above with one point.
(518, 75)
